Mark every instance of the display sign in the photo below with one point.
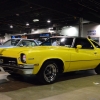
(91, 32)
(45, 35)
(13, 37)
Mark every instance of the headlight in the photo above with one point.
(23, 57)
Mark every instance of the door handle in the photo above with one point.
(95, 52)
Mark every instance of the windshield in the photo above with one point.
(11, 42)
(58, 42)
(95, 44)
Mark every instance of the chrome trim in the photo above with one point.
(19, 69)
(73, 42)
(28, 65)
(83, 60)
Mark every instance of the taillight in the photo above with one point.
(23, 57)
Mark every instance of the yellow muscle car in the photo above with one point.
(56, 55)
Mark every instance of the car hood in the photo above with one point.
(17, 50)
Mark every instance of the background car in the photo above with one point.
(18, 42)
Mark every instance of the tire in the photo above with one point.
(97, 69)
(48, 72)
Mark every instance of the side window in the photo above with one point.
(48, 42)
(84, 42)
(95, 44)
(66, 42)
(14, 42)
(27, 43)
(7, 43)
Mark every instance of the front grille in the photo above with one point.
(8, 61)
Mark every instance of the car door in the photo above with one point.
(84, 58)
(97, 49)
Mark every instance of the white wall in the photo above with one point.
(7, 36)
(70, 31)
(43, 31)
(92, 30)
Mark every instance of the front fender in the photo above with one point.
(38, 66)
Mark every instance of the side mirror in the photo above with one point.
(79, 46)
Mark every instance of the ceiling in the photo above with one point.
(61, 13)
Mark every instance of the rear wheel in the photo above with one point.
(48, 73)
(97, 69)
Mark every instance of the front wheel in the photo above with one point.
(48, 72)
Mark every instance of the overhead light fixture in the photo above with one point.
(35, 20)
(50, 28)
(32, 30)
(17, 14)
(85, 21)
(48, 21)
(27, 24)
(11, 26)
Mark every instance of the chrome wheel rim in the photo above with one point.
(50, 73)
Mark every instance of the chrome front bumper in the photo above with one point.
(19, 69)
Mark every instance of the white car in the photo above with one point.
(19, 42)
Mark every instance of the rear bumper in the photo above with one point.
(26, 69)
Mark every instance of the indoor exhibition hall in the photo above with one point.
(49, 50)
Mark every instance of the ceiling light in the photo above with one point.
(32, 30)
(48, 21)
(50, 28)
(17, 14)
(85, 21)
(27, 24)
(11, 26)
(35, 20)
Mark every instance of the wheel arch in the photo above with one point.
(58, 61)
